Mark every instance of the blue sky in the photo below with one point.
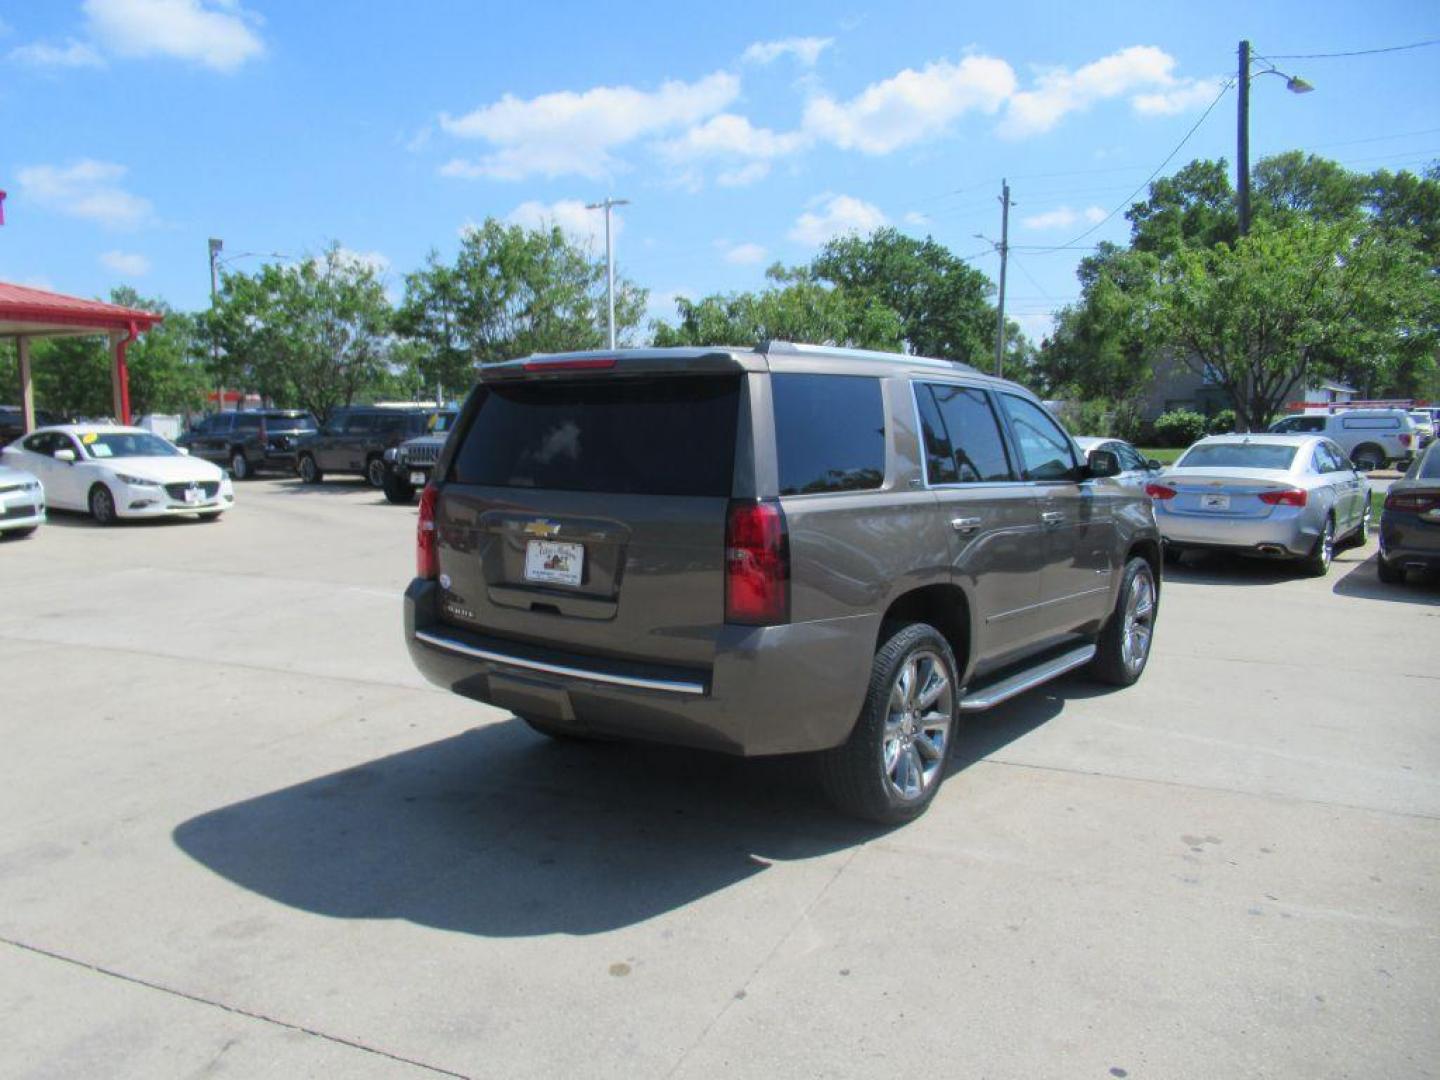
(744, 133)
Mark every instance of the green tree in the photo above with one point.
(512, 291)
(316, 334)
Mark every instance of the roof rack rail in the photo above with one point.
(801, 349)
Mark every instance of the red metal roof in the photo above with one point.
(22, 307)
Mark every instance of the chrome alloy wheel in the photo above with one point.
(1327, 544)
(917, 725)
(1139, 622)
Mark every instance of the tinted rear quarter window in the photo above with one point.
(629, 436)
(247, 422)
(829, 433)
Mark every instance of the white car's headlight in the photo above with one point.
(136, 481)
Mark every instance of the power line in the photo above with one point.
(1357, 52)
(1194, 128)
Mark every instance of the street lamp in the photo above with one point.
(607, 205)
(1294, 84)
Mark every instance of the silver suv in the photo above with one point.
(780, 550)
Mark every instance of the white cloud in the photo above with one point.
(569, 133)
(914, 217)
(806, 50)
(1095, 214)
(88, 189)
(1059, 92)
(581, 226)
(744, 175)
(73, 54)
(1184, 96)
(912, 105)
(742, 254)
(1062, 217)
(125, 263)
(729, 135)
(839, 214)
(373, 261)
(217, 35)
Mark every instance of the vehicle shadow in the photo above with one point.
(500, 832)
(78, 519)
(1362, 582)
(1222, 568)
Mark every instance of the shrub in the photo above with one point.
(1103, 418)
(1222, 423)
(1178, 428)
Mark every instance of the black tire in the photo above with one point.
(1317, 563)
(240, 465)
(1367, 457)
(213, 515)
(397, 488)
(375, 472)
(1123, 649)
(102, 505)
(1388, 573)
(307, 470)
(857, 775)
(20, 534)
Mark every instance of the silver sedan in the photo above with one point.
(1279, 496)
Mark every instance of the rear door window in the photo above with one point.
(247, 422)
(626, 436)
(970, 432)
(359, 423)
(1045, 450)
(829, 433)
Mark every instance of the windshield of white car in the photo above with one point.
(1237, 456)
(123, 444)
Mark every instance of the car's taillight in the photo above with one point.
(1404, 438)
(588, 363)
(757, 564)
(1413, 502)
(427, 556)
(1287, 497)
(1159, 491)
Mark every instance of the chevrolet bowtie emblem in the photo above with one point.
(541, 528)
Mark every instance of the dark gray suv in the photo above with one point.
(780, 550)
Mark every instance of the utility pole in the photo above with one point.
(1242, 141)
(607, 205)
(1004, 250)
(216, 246)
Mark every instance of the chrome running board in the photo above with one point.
(990, 696)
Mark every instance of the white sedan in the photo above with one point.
(22, 502)
(119, 472)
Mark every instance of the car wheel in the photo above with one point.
(102, 505)
(239, 465)
(1389, 573)
(398, 489)
(894, 761)
(1317, 563)
(308, 470)
(1124, 646)
(1361, 536)
(375, 472)
(1368, 457)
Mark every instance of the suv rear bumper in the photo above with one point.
(770, 690)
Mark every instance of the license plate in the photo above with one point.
(1214, 502)
(554, 563)
(417, 479)
(194, 496)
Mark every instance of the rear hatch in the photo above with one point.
(584, 508)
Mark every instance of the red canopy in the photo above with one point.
(27, 313)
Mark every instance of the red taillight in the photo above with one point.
(1159, 491)
(1404, 439)
(592, 363)
(1288, 497)
(1413, 502)
(427, 556)
(757, 564)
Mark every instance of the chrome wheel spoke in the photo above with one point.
(936, 685)
(930, 748)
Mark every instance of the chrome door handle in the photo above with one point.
(965, 525)
(1053, 518)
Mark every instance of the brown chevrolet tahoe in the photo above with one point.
(780, 550)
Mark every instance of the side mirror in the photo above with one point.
(1154, 465)
(183, 451)
(1103, 464)
(67, 456)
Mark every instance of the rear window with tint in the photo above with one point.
(1237, 456)
(668, 436)
(1429, 467)
(829, 433)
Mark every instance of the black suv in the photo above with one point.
(12, 422)
(355, 438)
(773, 551)
(246, 442)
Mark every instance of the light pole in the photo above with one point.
(216, 246)
(1295, 85)
(607, 205)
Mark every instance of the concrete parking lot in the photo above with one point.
(239, 836)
